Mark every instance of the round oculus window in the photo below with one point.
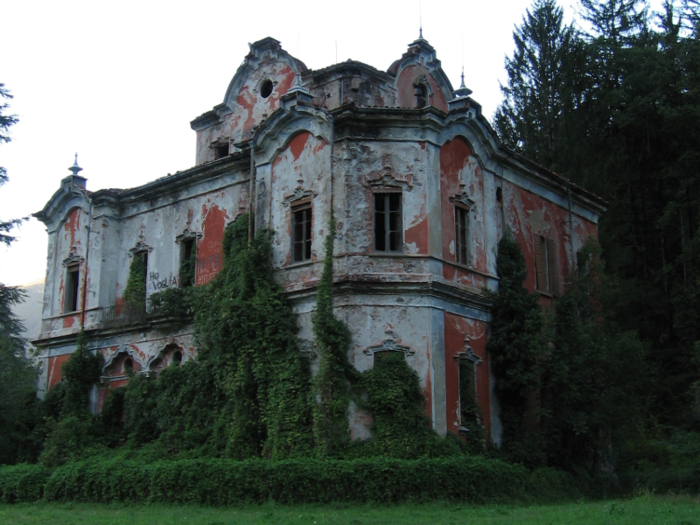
(266, 88)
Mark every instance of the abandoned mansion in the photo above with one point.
(421, 191)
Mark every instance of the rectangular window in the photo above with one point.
(221, 151)
(70, 297)
(545, 265)
(188, 262)
(468, 407)
(301, 233)
(388, 230)
(461, 234)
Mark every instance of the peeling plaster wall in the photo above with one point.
(247, 107)
(345, 85)
(378, 324)
(413, 75)
(528, 214)
(417, 300)
(460, 333)
(69, 244)
(299, 172)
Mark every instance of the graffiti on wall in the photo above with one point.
(157, 284)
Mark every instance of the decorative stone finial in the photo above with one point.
(463, 90)
(75, 168)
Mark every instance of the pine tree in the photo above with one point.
(543, 85)
(17, 374)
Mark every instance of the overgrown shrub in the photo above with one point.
(335, 373)
(22, 482)
(594, 376)
(400, 429)
(71, 430)
(227, 482)
(248, 394)
(246, 328)
(18, 403)
(173, 302)
(515, 346)
(135, 291)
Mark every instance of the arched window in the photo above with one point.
(420, 93)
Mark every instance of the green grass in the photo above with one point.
(672, 510)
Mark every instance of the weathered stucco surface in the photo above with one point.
(332, 140)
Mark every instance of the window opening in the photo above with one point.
(266, 88)
(137, 284)
(383, 355)
(421, 95)
(177, 358)
(545, 265)
(387, 222)
(70, 298)
(188, 262)
(468, 407)
(461, 233)
(499, 194)
(221, 151)
(144, 275)
(301, 233)
(128, 365)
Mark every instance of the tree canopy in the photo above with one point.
(616, 109)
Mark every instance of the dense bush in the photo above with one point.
(71, 431)
(400, 429)
(662, 460)
(226, 482)
(22, 482)
(516, 346)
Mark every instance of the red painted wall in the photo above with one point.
(411, 75)
(209, 254)
(54, 373)
(457, 329)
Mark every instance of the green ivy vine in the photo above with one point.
(516, 346)
(335, 373)
(135, 291)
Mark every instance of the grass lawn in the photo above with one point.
(672, 510)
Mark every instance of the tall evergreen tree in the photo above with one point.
(16, 372)
(543, 85)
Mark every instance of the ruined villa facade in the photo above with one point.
(419, 185)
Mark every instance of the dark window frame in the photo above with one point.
(420, 95)
(188, 249)
(545, 265)
(71, 290)
(462, 234)
(302, 231)
(387, 227)
(468, 397)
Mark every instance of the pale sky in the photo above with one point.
(119, 82)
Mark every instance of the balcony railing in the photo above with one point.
(177, 305)
(123, 314)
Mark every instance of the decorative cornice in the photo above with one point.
(389, 181)
(73, 258)
(463, 199)
(140, 247)
(468, 354)
(298, 195)
(187, 235)
(389, 345)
